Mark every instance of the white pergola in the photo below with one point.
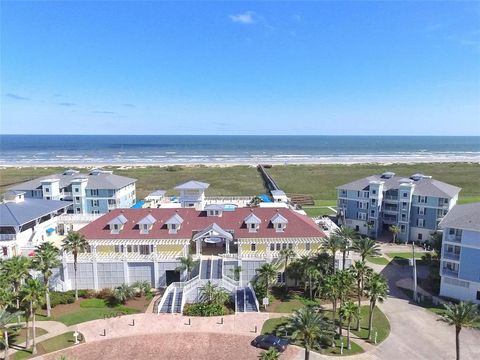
(212, 234)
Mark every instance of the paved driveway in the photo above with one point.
(184, 346)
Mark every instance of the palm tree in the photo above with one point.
(395, 230)
(307, 326)
(16, 270)
(331, 291)
(211, 293)
(347, 235)
(44, 260)
(270, 354)
(33, 291)
(463, 314)
(142, 287)
(332, 244)
(312, 273)
(365, 247)
(345, 281)
(123, 293)
(75, 243)
(187, 264)
(5, 319)
(286, 254)
(267, 273)
(376, 290)
(349, 311)
(360, 270)
(236, 271)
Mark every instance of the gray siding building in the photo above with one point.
(415, 204)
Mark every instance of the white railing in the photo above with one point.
(230, 281)
(77, 218)
(165, 296)
(254, 296)
(7, 237)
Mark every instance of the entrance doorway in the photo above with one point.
(172, 276)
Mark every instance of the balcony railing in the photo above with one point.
(454, 238)
(451, 256)
(391, 197)
(448, 272)
(7, 237)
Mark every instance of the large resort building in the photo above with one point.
(415, 204)
(460, 265)
(97, 192)
(145, 244)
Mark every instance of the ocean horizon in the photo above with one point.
(135, 150)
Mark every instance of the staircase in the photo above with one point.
(211, 270)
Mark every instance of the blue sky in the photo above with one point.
(353, 68)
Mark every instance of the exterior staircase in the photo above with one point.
(211, 270)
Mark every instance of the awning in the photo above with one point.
(50, 230)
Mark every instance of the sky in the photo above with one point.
(323, 68)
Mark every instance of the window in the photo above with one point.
(280, 277)
(77, 198)
(404, 217)
(94, 192)
(374, 192)
(252, 226)
(451, 231)
(404, 205)
(422, 199)
(4, 251)
(363, 205)
(118, 248)
(374, 201)
(365, 194)
(405, 194)
(253, 247)
(279, 226)
(362, 216)
(78, 210)
(77, 190)
(145, 226)
(420, 236)
(279, 246)
(420, 222)
(94, 203)
(95, 212)
(272, 247)
(403, 229)
(284, 246)
(145, 249)
(478, 295)
(173, 226)
(115, 226)
(47, 197)
(47, 190)
(307, 246)
(421, 210)
(372, 213)
(290, 246)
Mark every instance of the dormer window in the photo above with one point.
(214, 210)
(146, 224)
(117, 223)
(174, 224)
(253, 222)
(279, 222)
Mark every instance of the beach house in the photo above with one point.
(26, 223)
(460, 257)
(414, 204)
(97, 192)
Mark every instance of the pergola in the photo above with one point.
(213, 234)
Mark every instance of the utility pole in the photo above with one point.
(414, 273)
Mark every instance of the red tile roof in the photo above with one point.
(298, 226)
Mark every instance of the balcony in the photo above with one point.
(449, 272)
(451, 256)
(389, 219)
(7, 237)
(454, 238)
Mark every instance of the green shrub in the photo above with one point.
(202, 309)
(86, 293)
(58, 298)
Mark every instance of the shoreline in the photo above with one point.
(129, 165)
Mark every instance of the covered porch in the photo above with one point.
(213, 240)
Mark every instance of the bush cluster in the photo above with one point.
(203, 309)
(58, 298)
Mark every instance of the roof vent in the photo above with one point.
(70, 172)
(416, 177)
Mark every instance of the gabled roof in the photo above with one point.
(175, 219)
(424, 186)
(192, 185)
(213, 230)
(252, 219)
(465, 217)
(278, 219)
(119, 220)
(100, 181)
(16, 214)
(148, 220)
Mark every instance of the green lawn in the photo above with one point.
(19, 336)
(318, 211)
(318, 181)
(379, 260)
(332, 203)
(271, 326)
(53, 344)
(281, 303)
(87, 314)
(405, 255)
(380, 324)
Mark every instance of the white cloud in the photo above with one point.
(247, 18)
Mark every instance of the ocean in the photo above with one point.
(126, 150)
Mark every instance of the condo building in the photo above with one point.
(97, 192)
(460, 265)
(26, 223)
(416, 205)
